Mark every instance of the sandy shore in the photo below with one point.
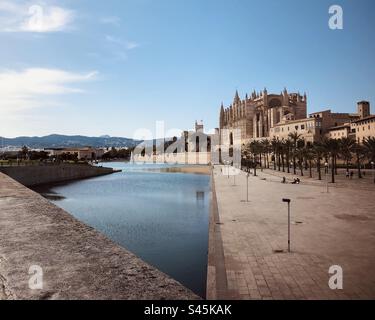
(197, 169)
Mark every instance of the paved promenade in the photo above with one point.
(247, 239)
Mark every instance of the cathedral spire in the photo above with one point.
(286, 97)
(236, 98)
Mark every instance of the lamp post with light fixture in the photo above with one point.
(288, 202)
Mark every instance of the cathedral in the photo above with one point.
(254, 116)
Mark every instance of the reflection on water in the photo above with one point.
(161, 217)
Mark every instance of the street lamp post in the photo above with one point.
(227, 166)
(247, 187)
(326, 165)
(288, 202)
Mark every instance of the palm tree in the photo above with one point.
(319, 153)
(294, 136)
(346, 148)
(309, 156)
(300, 153)
(283, 153)
(278, 153)
(333, 149)
(266, 150)
(274, 146)
(287, 148)
(255, 149)
(369, 145)
(360, 152)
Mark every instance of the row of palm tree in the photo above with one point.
(295, 154)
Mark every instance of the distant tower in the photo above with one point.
(199, 126)
(363, 109)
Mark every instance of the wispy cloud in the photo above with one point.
(120, 47)
(31, 88)
(112, 20)
(26, 17)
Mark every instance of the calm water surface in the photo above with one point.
(161, 217)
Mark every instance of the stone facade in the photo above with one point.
(268, 116)
(339, 132)
(364, 128)
(310, 129)
(254, 116)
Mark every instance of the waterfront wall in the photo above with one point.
(72, 260)
(189, 158)
(43, 174)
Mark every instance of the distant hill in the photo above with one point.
(62, 141)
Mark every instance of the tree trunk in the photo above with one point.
(255, 170)
(310, 168)
(274, 160)
(294, 164)
(347, 165)
(319, 169)
(333, 169)
(359, 166)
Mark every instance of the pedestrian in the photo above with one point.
(347, 174)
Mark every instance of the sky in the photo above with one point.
(113, 67)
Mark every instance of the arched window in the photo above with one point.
(274, 103)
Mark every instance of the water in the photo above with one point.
(161, 217)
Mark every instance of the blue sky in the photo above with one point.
(112, 67)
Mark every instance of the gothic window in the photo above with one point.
(274, 103)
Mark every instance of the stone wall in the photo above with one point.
(34, 175)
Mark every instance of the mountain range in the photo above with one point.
(63, 141)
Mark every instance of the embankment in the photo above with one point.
(31, 176)
(72, 260)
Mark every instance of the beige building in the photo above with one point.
(339, 132)
(364, 128)
(333, 119)
(86, 153)
(310, 129)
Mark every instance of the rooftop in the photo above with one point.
(365, 119)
